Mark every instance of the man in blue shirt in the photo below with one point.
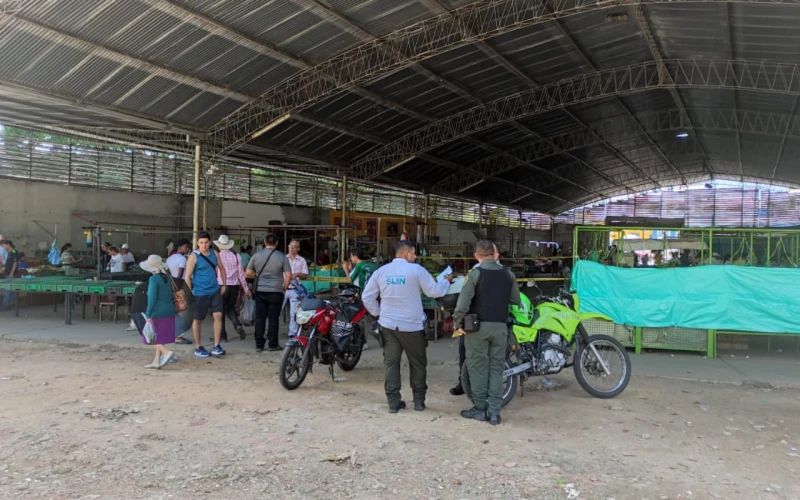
(399, 285)
(201, 278)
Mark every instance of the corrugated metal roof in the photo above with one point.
(190, 63)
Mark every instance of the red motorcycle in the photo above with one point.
(329, 334)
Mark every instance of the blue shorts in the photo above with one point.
(204, 303)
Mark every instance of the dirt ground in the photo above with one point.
(89, 422)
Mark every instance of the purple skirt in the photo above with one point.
(165, 330)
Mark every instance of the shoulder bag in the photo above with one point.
(255, 281)
(178, 297)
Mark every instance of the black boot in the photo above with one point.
(399, 406)
(475, 414)
(457, 390)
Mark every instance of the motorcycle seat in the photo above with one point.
(312, 304)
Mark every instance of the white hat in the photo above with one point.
(224, 243)
(153, 264)
(125, 246)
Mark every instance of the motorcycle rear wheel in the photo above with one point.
(587, 368)
(353, 354)
(510, 384)
(294, 361)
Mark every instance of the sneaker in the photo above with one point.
(131, 327)
(275, 348)
(218, 351)
(201, 352)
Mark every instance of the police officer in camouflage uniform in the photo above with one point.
(487, 292)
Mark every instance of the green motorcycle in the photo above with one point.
(548, 336)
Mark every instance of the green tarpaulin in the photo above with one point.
(750, 299)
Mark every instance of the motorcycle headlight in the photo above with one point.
(304, 317)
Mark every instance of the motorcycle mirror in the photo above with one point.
(530, 284)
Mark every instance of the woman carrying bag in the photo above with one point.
(158, 323)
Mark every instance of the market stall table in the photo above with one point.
(70, 286)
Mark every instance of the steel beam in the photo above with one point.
(423, 40)
(727, 20)
(569, 38)
(622, 130)
(786, 135)
(756, 76)
(362, 32)
(664, 73)
(529, 82)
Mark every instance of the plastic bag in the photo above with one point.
(54, 256)
(148, 332)
(247, 312)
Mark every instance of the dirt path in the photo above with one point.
(89, 422)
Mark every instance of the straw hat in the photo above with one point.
(153, 264)
(224, 243)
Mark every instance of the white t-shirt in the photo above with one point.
(176, 262)
(116, 264)
(128, 258)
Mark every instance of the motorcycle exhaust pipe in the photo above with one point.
(518, 369)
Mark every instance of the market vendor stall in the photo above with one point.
(70, 286)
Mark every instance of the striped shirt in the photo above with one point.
(233, 269)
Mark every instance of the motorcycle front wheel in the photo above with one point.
(590, 373)
(295, 362)
(510, 384)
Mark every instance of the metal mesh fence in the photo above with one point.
(625, 334)
(675, 339)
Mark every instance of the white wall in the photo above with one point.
(23, 202)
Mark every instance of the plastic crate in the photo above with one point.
(128, 290)
(82, 288)
(97, 289)
(5, 285)
(65, 287)
(49, 286)
(33, 287)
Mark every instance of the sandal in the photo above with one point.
(183, 341)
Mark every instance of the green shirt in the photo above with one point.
(361, 273)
